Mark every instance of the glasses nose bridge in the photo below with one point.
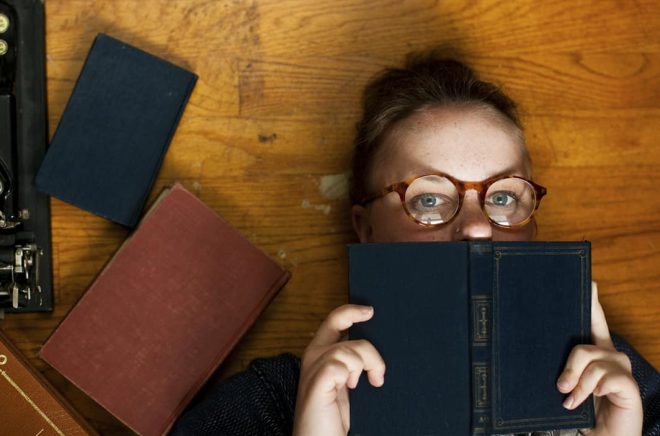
(463, 187)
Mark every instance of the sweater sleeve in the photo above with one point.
(261, 399)
(257, 401)
(648, 380)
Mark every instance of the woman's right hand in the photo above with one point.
(329, 367)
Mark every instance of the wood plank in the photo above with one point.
(593, 138)
(394, 27)
(326, 86)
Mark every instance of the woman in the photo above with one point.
(433, 118)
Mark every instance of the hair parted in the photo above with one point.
(429, 78)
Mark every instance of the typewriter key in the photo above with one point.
(4, 47)
(4, 23)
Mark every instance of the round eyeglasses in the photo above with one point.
(434, 199)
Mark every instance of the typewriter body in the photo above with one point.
(25, 246)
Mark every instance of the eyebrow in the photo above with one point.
(511, 171)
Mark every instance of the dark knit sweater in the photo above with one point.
(261, 399)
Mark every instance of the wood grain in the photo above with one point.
(266, 138)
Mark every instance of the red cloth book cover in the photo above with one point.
(164, 313)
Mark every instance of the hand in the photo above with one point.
(328, 368)
(605, 372)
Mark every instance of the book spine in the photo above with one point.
(481, 310)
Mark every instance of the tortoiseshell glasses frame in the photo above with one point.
(461, 188)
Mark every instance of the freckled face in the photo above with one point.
(467, 143)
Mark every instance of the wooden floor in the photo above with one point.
(266, 137)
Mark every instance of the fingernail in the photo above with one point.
(563, 384)
(381, 380)
(568, 402)
(367, 309)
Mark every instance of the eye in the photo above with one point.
(502, 198)
(429, 201)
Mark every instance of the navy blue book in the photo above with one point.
(474, 335)
(115, 130)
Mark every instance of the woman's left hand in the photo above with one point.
(601, 370)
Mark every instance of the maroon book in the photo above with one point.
(163, 314)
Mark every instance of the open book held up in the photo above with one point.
(474, 335)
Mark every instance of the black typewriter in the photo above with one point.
(25, 247)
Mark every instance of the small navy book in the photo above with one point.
(474, 335)
(115, 130)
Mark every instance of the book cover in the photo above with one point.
(164, 313)
(474, 335)
(28, 402)
(114, 132)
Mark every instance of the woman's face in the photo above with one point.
(468, 143)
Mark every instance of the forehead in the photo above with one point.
(470, 143)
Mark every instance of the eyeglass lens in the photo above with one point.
(435, 200)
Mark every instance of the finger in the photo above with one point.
(578, 360)
(620, 389)
(373, 362)
(353, 379)
(327, 382)
(339, 320)
(359, 355)
(339, 366)
(599, 331)
(588, 382)
(337, 353)
(353, 362)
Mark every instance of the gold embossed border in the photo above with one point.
(4, 360)
(481, 319)
(499, 251)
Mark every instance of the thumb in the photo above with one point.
(599, 331)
